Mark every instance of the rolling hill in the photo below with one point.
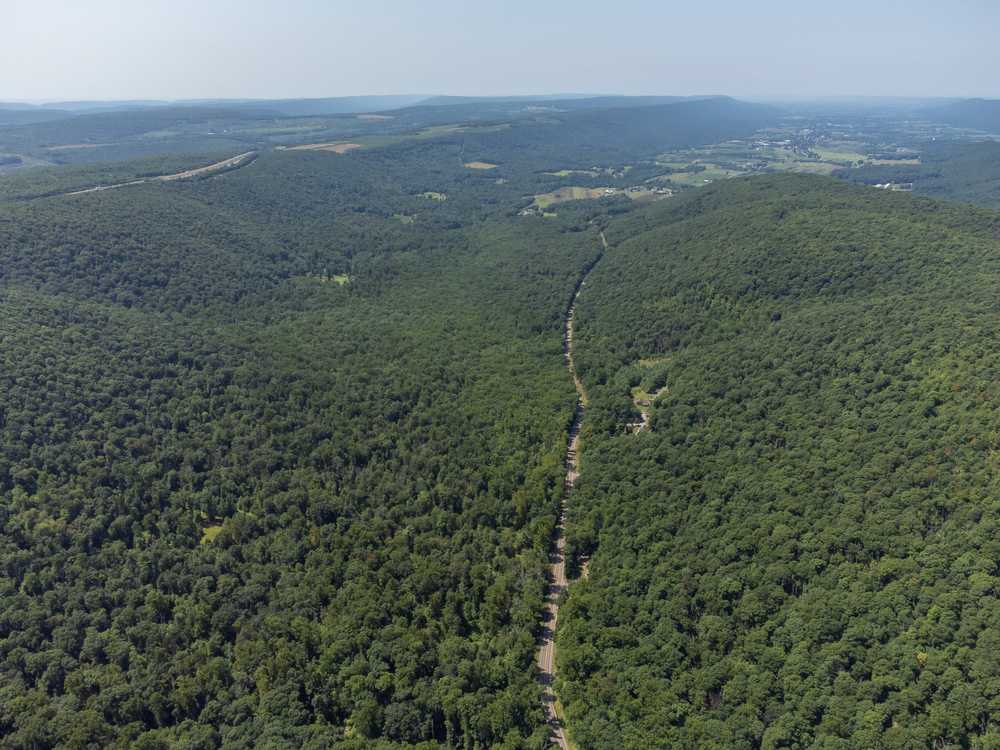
(979, 114)
(278, 468)
(801, 551)
(283, 448)
(965, 172)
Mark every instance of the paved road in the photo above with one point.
(235, 162)
(557, 560)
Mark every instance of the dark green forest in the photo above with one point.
(248, 506)
(583, 137)
(282, 449)
(524, 132)
(979, 114)
(802, 551)
(966, 172)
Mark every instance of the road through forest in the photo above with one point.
(226, 165)
(546, 660)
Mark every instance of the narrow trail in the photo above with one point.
(558, 582)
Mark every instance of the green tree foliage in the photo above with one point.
(611, 134)
(244, 505)
(979, 114)
(802, 552)
(967, 172)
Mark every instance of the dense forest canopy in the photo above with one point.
(980, 114)
(585, 137)
(802, 551)
(282, 446)
(278, 469)
(967, 172)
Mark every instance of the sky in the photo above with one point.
(176, 49)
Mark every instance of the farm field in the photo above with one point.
(571, 172)
(336, 148)
(571, 193)
(774, 150)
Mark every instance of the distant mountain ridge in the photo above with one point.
(305, 107)
(979, 114)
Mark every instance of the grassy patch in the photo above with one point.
(641, 394)
(337, 148)
(571, 172)
(616, 172)
(479, 165)
(808, 167)
(841, 156)
(642, 194)
(209, 533)
(691, 179)
(564, 194)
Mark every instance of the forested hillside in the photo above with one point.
(802, 551)
(278, 468)
(522, 132)
(583, 137)
(282, 446)
(966, 172)
(980, 114)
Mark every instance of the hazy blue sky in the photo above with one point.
(99, 49)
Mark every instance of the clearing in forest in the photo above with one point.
(571, 172)
(479, 165)
(564, 194)
(644, 401)
(72, 146)
(209, 533)
(618, 172)
(337, 148)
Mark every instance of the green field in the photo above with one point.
(734, 158)
(572, 193)
(843, 155)
(807, 167)
(571, 172)
(209, 533)
(709, 174)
